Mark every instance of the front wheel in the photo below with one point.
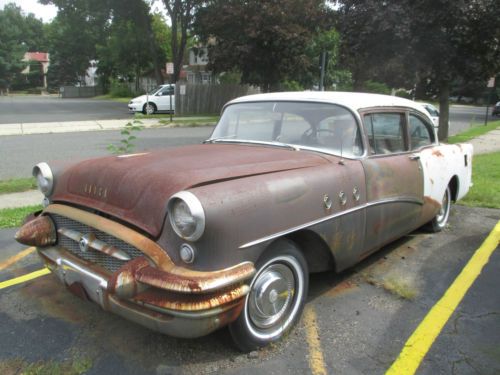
(149, 109)
(441, 219)
(277, 296)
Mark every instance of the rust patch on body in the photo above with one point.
(179, 279)
(437, 153)
(183, 302)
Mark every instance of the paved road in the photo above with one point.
(461, 117)
(362, 320)
(19, 153)
(30, 109)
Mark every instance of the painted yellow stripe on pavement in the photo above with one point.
(316, 361)
(426, 333)
(24, 278)
(13, 259)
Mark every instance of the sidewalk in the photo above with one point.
(94, 125)
(489, 142)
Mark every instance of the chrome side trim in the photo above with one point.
(332, 216)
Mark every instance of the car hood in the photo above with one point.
(141, 98)
(136, 188)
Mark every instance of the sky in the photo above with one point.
(45, 12)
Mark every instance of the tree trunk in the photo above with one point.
(444, 110)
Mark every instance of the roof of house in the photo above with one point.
(36, 56)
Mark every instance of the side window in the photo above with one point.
(420, 134)
(168, 90)
(385, 132)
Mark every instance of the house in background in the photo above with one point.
(43, 59)
(91, 77)
(196, 71)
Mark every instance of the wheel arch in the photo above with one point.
(454, 187)
(315, 250)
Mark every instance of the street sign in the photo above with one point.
(169, 68)
(491, 82)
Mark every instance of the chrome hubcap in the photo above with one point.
(271, 295)
(444, 208)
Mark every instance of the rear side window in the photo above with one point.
(385, 132)
(420, 134)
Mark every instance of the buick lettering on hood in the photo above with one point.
(188, 240)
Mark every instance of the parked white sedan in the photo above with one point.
(160, 99)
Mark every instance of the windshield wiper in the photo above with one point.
(279, 144)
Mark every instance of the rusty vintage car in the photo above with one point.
(188, 240)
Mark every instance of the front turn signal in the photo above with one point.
(41, 231)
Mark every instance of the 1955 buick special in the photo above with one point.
(188, 240)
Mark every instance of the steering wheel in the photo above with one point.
(311, 135)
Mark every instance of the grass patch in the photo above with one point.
(400, 288)
(13, 217)
(16, 366)
(486, 178)
(17, 185)
(113, 98)
(397, 286)
(475, 131)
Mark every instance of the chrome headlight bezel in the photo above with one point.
(44, 178)
(196, 211)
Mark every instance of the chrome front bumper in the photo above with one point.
(77, 275)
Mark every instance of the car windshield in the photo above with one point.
(432, 110)
(300, 125)
(152, 92)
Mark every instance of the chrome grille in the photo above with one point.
(105, 261)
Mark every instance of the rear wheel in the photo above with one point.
(276, 299)
(441, 219)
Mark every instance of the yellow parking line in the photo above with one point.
(24, 278)
(13, 259)
(316, 361)
(426, 333)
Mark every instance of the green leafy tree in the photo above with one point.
(432, 41)
(181, 14)
(265, 40)
(73, 36)
(19, 33)
(131, 48)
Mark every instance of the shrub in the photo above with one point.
(120, 90)
(376, 87)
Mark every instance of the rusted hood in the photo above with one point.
(136, 188)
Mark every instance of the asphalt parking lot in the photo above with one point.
(355, 323)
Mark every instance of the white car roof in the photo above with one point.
(352, 100)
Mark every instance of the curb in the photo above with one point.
(81, 126)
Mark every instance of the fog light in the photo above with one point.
(187, 253)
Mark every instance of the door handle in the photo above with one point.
(414, 157)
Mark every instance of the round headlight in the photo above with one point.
(44, 178)
(186, 215)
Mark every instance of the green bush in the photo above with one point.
(402, 93)
(290, 85)
(120, 90)
(376, 87)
